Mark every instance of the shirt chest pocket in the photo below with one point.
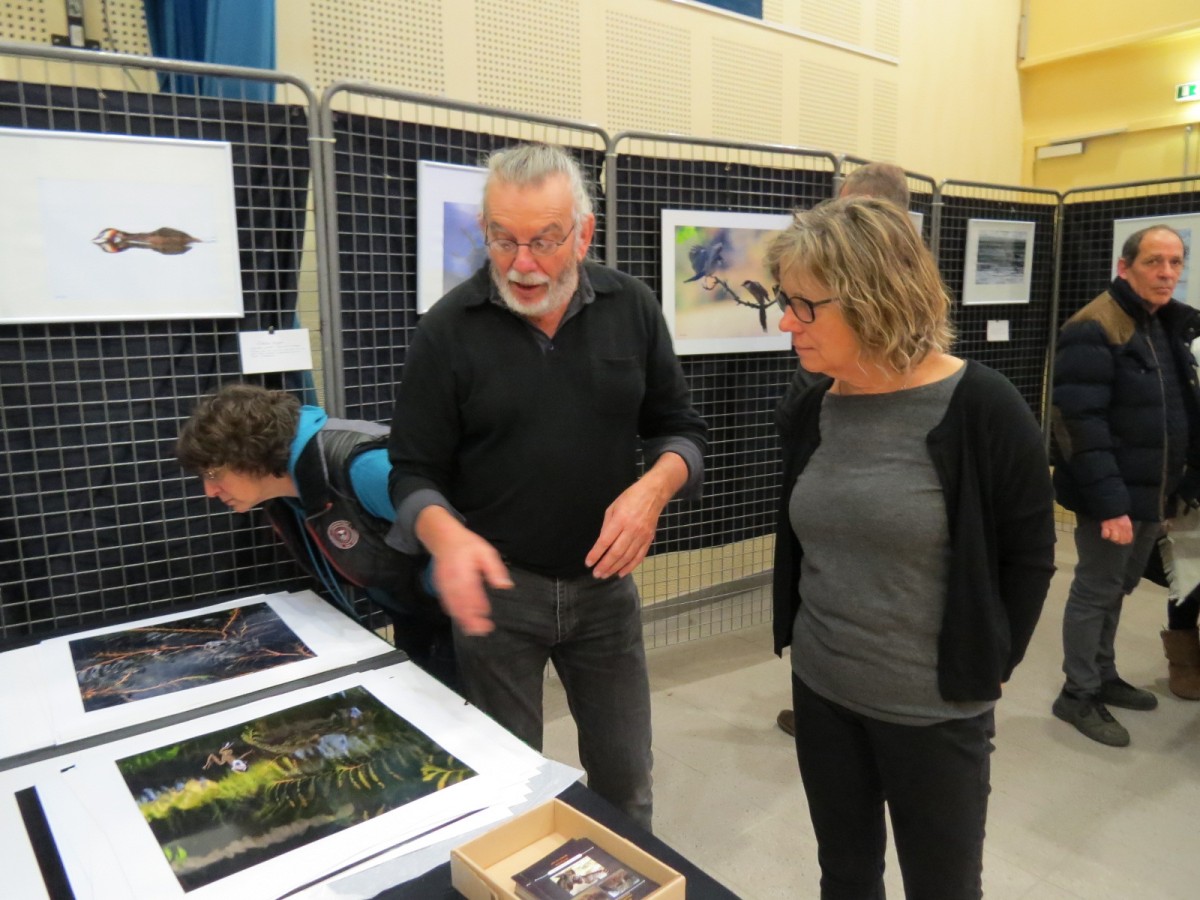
(618, 385)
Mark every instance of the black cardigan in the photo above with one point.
(989, 457)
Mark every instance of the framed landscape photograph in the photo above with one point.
(717, 294)
(1188, 289)
(450, 244)
(999, 262)
(101, 227)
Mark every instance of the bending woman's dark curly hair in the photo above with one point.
(242, 427)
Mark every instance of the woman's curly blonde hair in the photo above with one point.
(869, 255)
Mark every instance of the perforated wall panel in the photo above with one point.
(24, 20)
(747, 88)
(828, 112)
(122, 27)
(528, 56)
(380, 41)
(833, 18)
(887, 26)
(644, 86)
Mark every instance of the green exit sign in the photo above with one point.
(1189, 91)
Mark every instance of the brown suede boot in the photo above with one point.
(1182, 648)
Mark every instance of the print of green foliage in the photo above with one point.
(148, 760)
(444, 775)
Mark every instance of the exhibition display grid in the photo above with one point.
(98, 523)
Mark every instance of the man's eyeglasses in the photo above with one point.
(211, 475)
(802, 308)
(541, 246)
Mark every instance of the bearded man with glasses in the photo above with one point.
(517, 422)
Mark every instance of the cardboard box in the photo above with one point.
(482, 869)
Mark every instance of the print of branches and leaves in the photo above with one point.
(342, 757)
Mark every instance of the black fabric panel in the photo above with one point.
(96, 518)
(735, 392)
(1088, 242)
(376, 184)
(1022, 359)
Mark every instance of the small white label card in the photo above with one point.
(997, 330)
(277, 350)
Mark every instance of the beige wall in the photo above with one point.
(1100, 68)
(930, 84)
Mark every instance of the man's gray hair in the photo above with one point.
(531, 164)
(884, 181)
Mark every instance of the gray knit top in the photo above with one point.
(868, 510)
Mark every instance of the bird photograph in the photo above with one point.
(167, 241)
(720, 279)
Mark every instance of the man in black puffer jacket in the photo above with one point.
(1126, 416)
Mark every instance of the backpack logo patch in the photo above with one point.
(342, 534)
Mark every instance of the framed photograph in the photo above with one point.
(450, 244)
(102, 227)
(266, 797)
(999, 263)
(1187, 290)
(717, 294)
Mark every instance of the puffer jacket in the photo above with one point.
(1126, 410)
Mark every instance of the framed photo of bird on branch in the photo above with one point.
(102, 227)
(718, 296)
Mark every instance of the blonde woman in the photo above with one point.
(914, 549)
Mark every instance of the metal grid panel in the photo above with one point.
(1022, 358)
(1086, 251)
(96, 518)
(711, 560)
(380, 135)
(1087, 231)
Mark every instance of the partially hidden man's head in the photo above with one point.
(238, 441)
(538, 223)
(1152, 261)
(884, 181)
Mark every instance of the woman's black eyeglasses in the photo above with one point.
(802, 308)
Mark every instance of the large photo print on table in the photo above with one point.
(999, 262)
(146, 661)
(1188, 289)
(450, 244)
(223, 801)
(268, 796)
(101, 227)
(717, 294)
(128, 674)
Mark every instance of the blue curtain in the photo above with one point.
(229, 32)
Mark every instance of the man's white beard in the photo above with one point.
(558, 295)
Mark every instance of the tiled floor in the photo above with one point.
(1068, 818)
